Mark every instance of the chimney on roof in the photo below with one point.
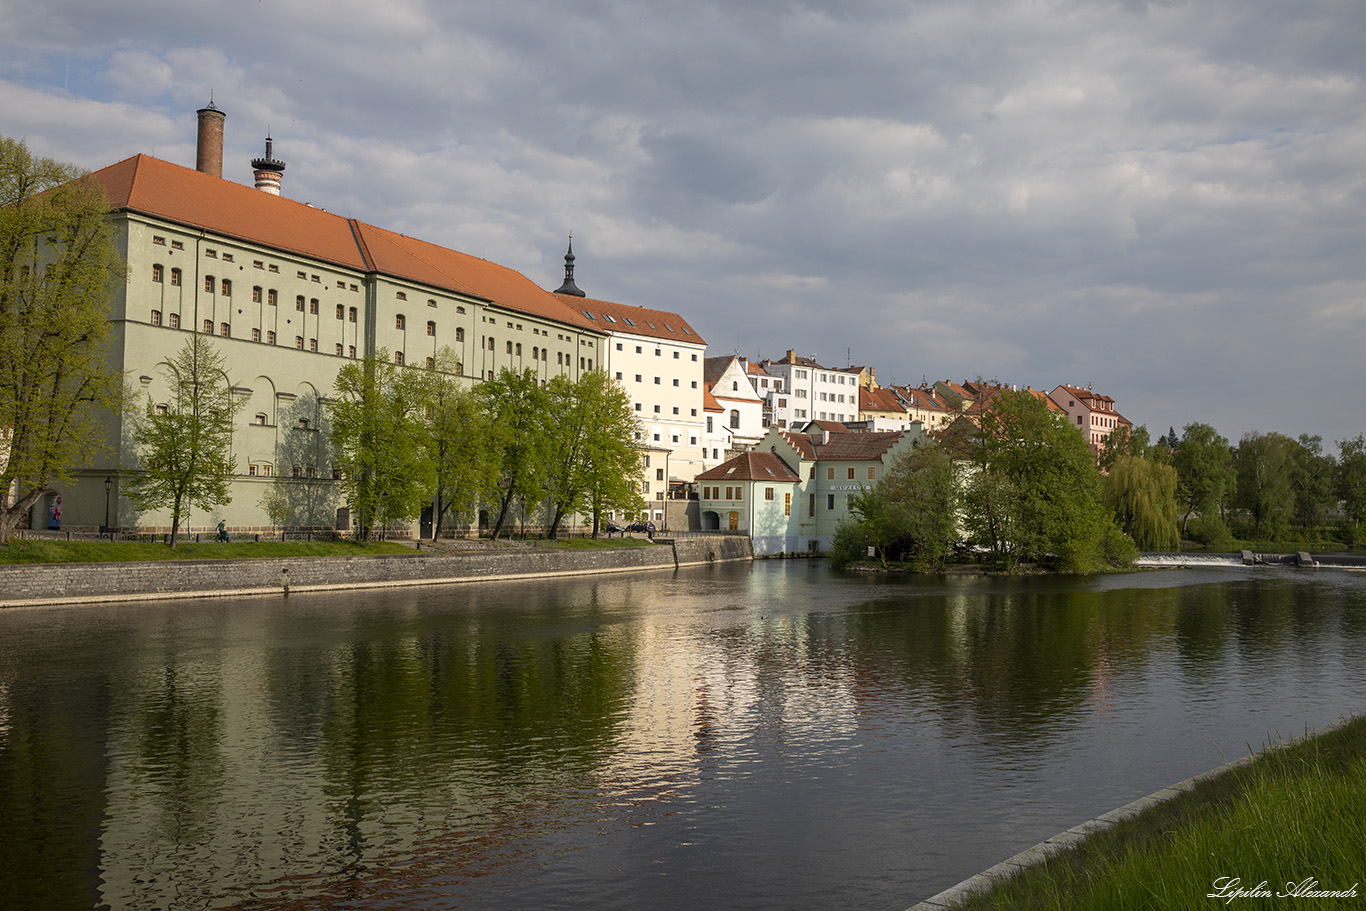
(208, 156)
(269, 171)
(569, 287)
(791, 356)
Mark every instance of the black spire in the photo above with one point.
(269, 163)
(569, 287)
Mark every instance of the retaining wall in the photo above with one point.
(64, 583)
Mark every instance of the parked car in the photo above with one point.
(641, 526)
(614, 529)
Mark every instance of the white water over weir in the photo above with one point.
(1248, 558)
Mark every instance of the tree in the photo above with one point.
(377, 440)
(1313, 478)
(519, 415)
(592, 458)
(185, 442)
(457, 442)
(1034, 493)
(1265, 465)
(58, 273)
(921, 494)
(1141, 492)
(1204, 472)
(1351, 481)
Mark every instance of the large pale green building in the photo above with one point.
(290, 293)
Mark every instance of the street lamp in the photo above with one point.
(108, 486)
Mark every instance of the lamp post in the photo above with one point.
(108, 486)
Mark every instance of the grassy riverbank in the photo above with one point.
(1294, 814)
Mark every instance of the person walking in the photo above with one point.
(223, 531)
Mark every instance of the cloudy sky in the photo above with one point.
(1162, 200)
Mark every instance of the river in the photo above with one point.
(772, 736)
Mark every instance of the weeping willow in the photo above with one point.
(1142, 495)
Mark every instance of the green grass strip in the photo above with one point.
(1291, 822)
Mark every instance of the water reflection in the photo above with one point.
(747, 738)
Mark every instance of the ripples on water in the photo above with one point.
(766, 737)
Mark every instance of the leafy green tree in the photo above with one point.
(1034, 492)
(1265, 465)
(923, 493)
(519, 416)
(1351, 482)
(377, 440)
(1141, 492)
(185, 443)
(593, 458)
(1205, 477)
(302, 494)
(58, 272)
(1313, 477)
(458, 434)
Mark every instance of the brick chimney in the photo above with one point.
(208, 156)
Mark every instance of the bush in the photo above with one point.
(1210, 531)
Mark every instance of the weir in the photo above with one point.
(1249, 558)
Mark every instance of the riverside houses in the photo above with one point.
(794, 488)
(290, 294)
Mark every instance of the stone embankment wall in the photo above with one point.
(58, 583)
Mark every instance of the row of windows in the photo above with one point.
(830, 473)
(658, 352)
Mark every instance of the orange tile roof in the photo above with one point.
(191, 198)
(751, 466)
(635, 320)
(844, 447)
(709, 402)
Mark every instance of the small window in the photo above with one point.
(225, 287)
(341, 311)
(299, 302)
(259, 420)
(509, 344)
(830, 501)
(313, 344)
(227, 257)
(768, 493)
(431, 327)
(156, 317)
(431, 363)
(430, 302)
(351, 351)
(173, 320)
(339, 349)
(159, 241)
(313, 306)
(519, 349)
(266, 470)
(225, 330)
(208, 284)
(403, 297)
(251, 471)
(256, 294)
(351, 314)
(156, 275)
(399, 322)
(398, 358)
(460, 334)
(830, 474)
(256, 335)
(299, 342)
(272, 298)
(175, 276)
(851, 474)
(270, 337)
(177, 245)
(872, 472)
(257, 264)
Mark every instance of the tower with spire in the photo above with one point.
(269, 171)
(569, 287)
